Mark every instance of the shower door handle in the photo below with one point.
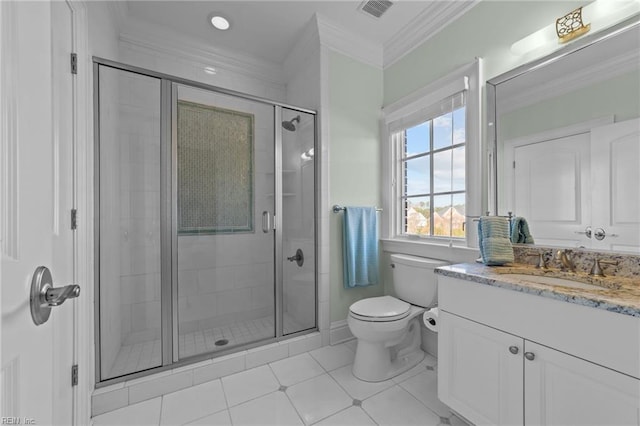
(266, 222)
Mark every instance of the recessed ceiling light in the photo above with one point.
(210, 70)
(220, 22)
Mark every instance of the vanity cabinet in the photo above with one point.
(502, 360)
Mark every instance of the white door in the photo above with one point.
(480, 371)
(564, 390)
(615, 177)
(551, 189)
(36, 199)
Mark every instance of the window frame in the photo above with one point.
(406, 113)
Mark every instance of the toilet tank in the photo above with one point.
(414, 280)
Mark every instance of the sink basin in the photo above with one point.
(552, 281)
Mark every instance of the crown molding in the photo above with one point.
(348, 43)
(169, 43)
(571, 81)
(425, 25)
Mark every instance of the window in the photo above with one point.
(433, 168)
(432, 165)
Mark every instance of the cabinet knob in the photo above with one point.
(530, 356)
(513, 349)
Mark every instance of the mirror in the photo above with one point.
(566, 143)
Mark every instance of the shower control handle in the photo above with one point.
(266, 222)
(298, 258)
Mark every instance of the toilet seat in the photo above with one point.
(380, 309)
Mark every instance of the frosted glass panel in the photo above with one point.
(215, 169)
(129, 194)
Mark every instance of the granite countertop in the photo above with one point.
(615, 294)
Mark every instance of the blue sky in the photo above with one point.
(418, 142)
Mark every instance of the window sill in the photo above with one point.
(453, 254)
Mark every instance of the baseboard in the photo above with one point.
(339, 332)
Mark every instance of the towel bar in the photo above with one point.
(477, 218)
(337, 208)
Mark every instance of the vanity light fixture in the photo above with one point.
(571, 26)
(219, 22)
(598, 15)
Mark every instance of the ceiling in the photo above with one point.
(269, 29)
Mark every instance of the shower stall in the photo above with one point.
(205, 221)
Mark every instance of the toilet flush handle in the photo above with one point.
(393, 265)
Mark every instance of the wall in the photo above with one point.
(104, 29)
(355, 97)
(166, 51)
(488, 31)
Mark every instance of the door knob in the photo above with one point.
(44, 295)
(587, 232)
(298, 258)
(600, 234)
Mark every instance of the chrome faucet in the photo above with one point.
(564, 256)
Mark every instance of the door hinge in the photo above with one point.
(514, 164)
(74, 63)
(74, 375)
(74, 219)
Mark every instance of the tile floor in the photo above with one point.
(311, 388)
(145, 355)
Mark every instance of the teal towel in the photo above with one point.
(494, 240)
(360, 246)
(520, 231)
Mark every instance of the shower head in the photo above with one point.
(288, 125)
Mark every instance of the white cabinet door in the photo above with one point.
(615, 180)
(478, 375)
(561, 389)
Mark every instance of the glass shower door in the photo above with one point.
(298, 221)
(225, 191)
(128, 221)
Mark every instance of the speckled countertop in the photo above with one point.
(615, 294)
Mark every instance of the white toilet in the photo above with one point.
(388, 328)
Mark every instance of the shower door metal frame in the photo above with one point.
(168, 238)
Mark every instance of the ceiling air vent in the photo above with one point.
(375, 8)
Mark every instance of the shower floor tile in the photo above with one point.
(145, 355)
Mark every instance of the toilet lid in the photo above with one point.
(384, 308)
